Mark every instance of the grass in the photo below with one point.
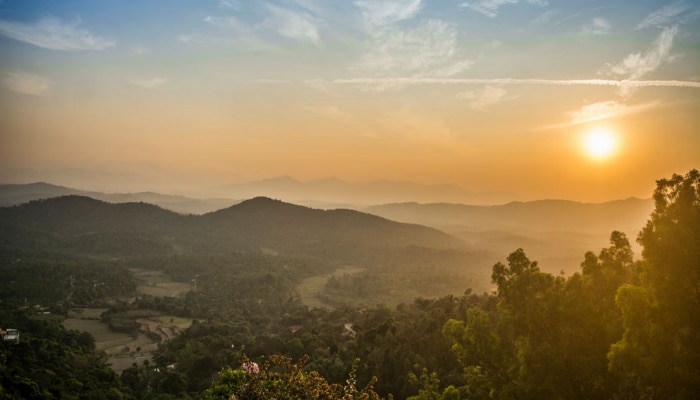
(310, 288)
(105, 338)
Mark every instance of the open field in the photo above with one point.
(105, 338)
(157, 283)
(124, 349)
(310, 288)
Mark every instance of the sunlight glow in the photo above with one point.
(600, 144)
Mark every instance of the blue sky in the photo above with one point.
(185, 92)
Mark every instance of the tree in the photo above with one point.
(659, 353)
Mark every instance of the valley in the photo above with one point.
(154, 300)
(150, 328)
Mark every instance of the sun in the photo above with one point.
(600, 144)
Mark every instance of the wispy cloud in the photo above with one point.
(546, 17)
(150, 83)
(597, 26)
(490, 7)
(194, 38)
(51, 33)
(377, 14)
(483, 98)
(605, 110)
(601, 111)
(636, 65)
(26, 83)
(233, 28)
(389, 83)
(663, 15)
(428, 49)
(295, 24)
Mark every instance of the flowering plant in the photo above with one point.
(251, 367)
(280, 378)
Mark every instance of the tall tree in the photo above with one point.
(659, 353)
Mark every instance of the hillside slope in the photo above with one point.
(251, 225)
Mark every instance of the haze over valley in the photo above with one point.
(364, 199)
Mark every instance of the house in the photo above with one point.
(10, 335)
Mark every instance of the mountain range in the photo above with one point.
(338, 192)
(259, 223)
(541, 215)
(555, 232)
(524, 217)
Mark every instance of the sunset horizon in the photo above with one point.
(514, 100)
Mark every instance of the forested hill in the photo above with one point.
(251, 225)
(272, 221)
(79, 214)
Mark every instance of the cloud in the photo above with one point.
(388, 83)
(601, 111)
(51, 33)
(295, 24)
(428, 49)
(150, 83)
(490, 7)
(605, 110)
(546, 17)
(598, 26)
(636, 65)
(26, 83)
(194, 38)
(483, 98)
(663, 15)
(377, 14)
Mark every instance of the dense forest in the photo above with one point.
(620, 328)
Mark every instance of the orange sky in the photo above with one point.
(197, 98)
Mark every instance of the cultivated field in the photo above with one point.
(124, 349)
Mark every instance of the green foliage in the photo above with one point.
(430, 387)
(52, 363)
(659, 353)
(549, 336)
(51, 277)
(281, 379)
(620, 328)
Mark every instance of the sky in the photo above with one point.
(589, 101)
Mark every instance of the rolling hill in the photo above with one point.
(402, 260)
(253, 224)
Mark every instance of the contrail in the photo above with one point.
(389, 82)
